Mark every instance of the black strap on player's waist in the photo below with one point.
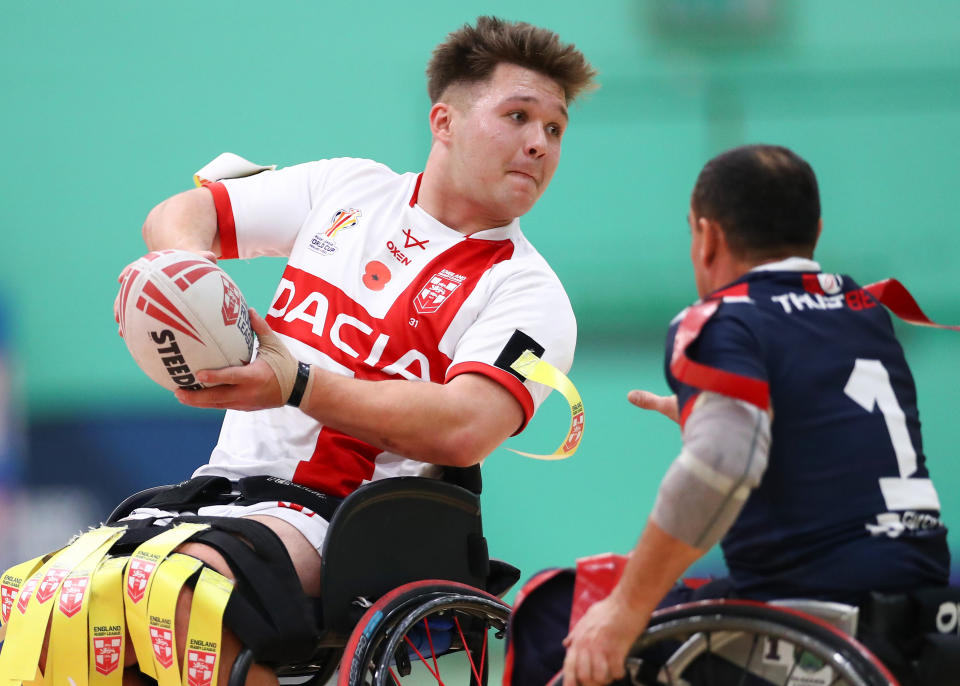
(202, 491)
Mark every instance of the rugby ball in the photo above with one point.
(180, 313)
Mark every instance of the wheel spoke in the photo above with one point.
(435, 673)
(746, 667)
(466, 649)
(433, 652)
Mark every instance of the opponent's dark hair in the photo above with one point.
(765, 199)
(471, 53)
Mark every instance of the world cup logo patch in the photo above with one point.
(323, 241)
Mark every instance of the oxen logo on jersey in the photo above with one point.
(440, 286)
(322, 242)
(830, 283)
(411, 241)
(162, 640)
(200, 665)
(139, 575)
(51, 582)
(106, 652)
(71, 595)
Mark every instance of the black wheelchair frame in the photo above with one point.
(400, 553)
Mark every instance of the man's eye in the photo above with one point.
(554, 130)
(518, 116)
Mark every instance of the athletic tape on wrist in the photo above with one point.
(30, 613)
(281, 361)
(67, 649)
(172, 574)
(106, 621)
(532, 367)
(205, 634)
(137, 584)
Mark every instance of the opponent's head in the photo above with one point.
(500, 92)
(763, 198)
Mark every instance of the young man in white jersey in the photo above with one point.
(387, 346)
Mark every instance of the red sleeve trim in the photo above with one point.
(505, 379)
(704, 377)
(225, 226)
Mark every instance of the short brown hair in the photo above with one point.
(765, 197)
(471, 53)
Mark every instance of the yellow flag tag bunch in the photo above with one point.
(90, 600)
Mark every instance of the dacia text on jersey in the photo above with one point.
(321, 315)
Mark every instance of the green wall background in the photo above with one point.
(109, 107)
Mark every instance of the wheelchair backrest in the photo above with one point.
(394, 531)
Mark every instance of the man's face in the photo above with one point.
(505, 144)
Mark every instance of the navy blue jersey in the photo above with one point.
(846, 503)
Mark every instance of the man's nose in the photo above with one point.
(536, 145)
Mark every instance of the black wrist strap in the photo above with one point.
(299, 385)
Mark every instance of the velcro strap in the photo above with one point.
(193, 493)
(270, 613)
(258, 489)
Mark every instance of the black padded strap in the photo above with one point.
(258, 489)
(193, 493)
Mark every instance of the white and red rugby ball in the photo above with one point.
(180, 313)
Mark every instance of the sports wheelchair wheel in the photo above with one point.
(425, 632)
(748, 643)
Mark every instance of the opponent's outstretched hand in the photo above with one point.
(664, 404)
(255, 386)
(597, 646)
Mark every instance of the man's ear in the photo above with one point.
(713, 240)
(441, 121)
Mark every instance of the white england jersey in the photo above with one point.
(375, 288)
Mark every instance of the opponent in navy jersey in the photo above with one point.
(846, 503)
(801, 440)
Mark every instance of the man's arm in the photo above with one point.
(597, 646)
(457, 423)
(726, 443)
(186, 221)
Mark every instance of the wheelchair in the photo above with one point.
(408, 590)
(794, 643)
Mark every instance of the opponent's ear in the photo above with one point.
(441, 121)
(712, 242)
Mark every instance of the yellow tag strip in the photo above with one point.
(162, 611)
(137, 582)
(532, 367)
(12, 581)
(107, 632)
(204, 637)
(28, 618)
(67, 657)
